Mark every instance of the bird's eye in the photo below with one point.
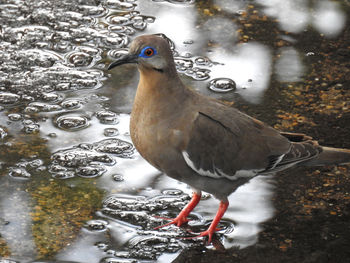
(147, 52)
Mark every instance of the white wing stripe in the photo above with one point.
(218, 173)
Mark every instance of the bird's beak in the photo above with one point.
(125, 59)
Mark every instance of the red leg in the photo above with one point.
(182, 217)
(212, 228)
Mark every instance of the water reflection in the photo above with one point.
(295, 16)
(289, 67)
(15, 219)
(249, 65)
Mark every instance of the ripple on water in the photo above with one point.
(138, 211)
(222, 85)
(117, 53)
(89, 160)
(78, 59)
(37, 57)
(71, 123)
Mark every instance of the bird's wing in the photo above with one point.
(231, 145)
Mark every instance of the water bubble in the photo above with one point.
(90, 50)
(122, 29)
(71, 104)
(115, 146)
(182, 64)
(35, 163)
(63, 175)
(102, 245)
(90, 10)
(72, 123)
(27, 98)
(79, 59)
(8, 98)
(188, 42)
(118, 40)
(120, 5)
(90, 171)
(118, 177)
(30, 127)
(222, 85)
(172, 192)
(118, 260)
(96, 225)
(37, 57)
(118, 20)
(200, 74)
(110, 132)
(76, 157)
(31, 109)
(14, 116)
(107, 117)
(50, 96)
(19, 172)
(203, 61)
(43, 107)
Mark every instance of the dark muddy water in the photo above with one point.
(74, 189)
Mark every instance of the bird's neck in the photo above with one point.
(156, 91)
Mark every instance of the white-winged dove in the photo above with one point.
(201, 141)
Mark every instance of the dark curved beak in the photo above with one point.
(125, 59)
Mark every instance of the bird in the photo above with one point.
(202, 141)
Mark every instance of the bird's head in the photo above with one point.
(150, 52)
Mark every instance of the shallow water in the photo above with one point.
(72, 186)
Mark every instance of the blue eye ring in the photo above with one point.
(147, 52)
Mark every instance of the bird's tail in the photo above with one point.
(329, 156)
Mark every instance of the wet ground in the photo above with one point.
(74, 189)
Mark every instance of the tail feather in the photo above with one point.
(329, 156)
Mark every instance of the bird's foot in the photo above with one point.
(178, 221)
(213, 226)
(182, 217)
(209, 233)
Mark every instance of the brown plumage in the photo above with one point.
(201, 141)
